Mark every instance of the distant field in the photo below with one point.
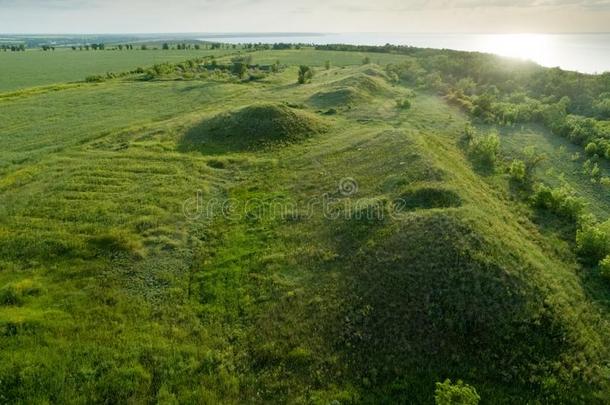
(38, 68)
(19, 70)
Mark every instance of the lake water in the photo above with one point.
(588, 53)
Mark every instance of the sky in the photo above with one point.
(409, 16)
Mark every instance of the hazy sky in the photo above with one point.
(131, 16)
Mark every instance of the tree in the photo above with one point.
(459, 393)
(327, 65)
(305, 74)
(592, 243)
(165, 46)
(366, 60)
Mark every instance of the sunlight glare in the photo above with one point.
(534, 47)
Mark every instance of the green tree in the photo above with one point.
(592, 243)
(459, 393)
(327, 65)
(305, 74)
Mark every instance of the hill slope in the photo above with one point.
(361, 263)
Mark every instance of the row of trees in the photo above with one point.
(167, 46)
(13, 48)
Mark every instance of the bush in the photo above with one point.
(518, 171)
(95, 79)
(604, 268)
(305, 74)
(485, 149)
(592, 244)
(10, 296)
(459, 393)
(559, 201)
(591, 149)
(403, 104)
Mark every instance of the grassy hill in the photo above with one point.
(211, 240)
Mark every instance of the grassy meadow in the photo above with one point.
(196, 238)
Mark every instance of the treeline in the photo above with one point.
(241, 68)
(183, 46)
(504, 91)
(100, 47)
(13, 48)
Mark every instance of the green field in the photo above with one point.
(196, 238)
(38, 68)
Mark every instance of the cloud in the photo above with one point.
(421, 5)
(312, 15)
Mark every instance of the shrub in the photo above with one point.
(591, 149)
(95, 79)
(403, 104)
(559, 201)
(469, 133)
(366, 60)
(305, 74)
(459, 393)
(604, 268)
(485, 149)
(518, 171)
(592, 244)
(10, 296)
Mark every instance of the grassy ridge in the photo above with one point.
(135, 269)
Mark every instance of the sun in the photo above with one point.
(535, 47)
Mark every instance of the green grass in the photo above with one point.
(135, 269)
(19, 70)
(561, 166)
